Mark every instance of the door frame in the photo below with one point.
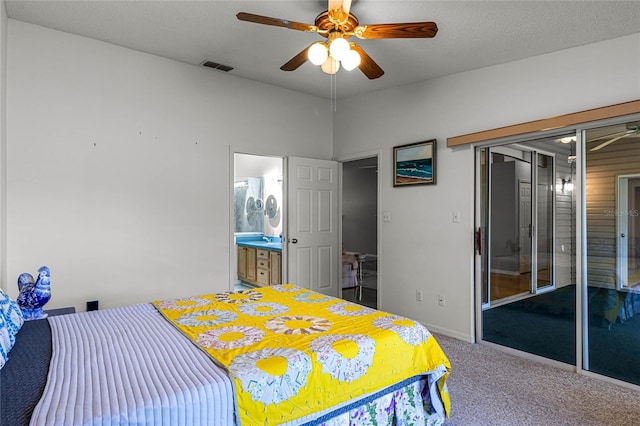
(359, 156)
(233, 255)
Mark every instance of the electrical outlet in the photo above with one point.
(386, 216)
(441, 299)
(418, 295)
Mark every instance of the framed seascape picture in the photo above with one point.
(414, 164)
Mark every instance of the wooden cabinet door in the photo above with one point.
(242, 263)
(276, 267)
(251, 264)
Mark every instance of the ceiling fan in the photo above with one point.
(337, 25)
(632, 129)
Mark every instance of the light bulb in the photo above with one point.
(318, 53)
(351, 60)
(330, 66)
(339, 48)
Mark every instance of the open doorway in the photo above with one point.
(360, 231)
(258, 221)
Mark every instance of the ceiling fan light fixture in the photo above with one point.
(567, 139)
(351, 60)
(339, 48)
(330, 66)
(318, 53)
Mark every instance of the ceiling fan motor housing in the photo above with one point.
(327, 25)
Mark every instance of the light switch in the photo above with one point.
(386, 216)
(456, 217)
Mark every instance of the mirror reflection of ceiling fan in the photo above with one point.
(337, 25)
(633, 129)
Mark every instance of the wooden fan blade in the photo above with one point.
(339, 10)
(367, 65)
(407, 30)
(295, 62)
(276, 22)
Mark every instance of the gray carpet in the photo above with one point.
(490, 387)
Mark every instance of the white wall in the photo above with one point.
(119, 165)
(3, 142)
(421, 249)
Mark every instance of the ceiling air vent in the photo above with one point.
(217, 66)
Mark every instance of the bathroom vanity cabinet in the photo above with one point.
(258, 266)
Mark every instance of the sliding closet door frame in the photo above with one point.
(562, 125)
(480, 233)
(582, 325)
(582, 333)
(515, 142)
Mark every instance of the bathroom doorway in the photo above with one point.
(258, 221)
(360, 231)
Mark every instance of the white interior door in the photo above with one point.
(312, 236)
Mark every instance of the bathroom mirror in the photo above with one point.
(248, 204)
(271, 208)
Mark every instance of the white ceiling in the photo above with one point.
(472, 34)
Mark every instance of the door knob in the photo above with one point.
(294, 241)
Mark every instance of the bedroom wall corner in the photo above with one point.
(3, 145)
(119, 173)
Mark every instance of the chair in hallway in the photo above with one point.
(350, 272)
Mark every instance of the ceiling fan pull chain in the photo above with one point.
(334, 92)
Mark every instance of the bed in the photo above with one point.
(274, 355)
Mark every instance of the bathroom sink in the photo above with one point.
(272, 245)
(275, 245)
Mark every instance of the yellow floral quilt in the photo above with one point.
(291, 351)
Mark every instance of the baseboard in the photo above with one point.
(450, 333)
